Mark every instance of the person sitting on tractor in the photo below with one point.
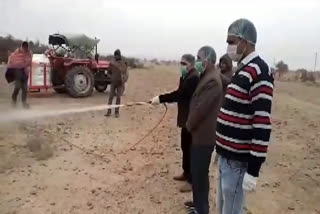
(118, 70)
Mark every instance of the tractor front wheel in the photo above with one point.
(79, 82)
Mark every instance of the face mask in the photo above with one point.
(232, 53)
(199, 67)
(183, 71)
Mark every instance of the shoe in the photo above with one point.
(186, 187)
(26, 106)
(181, 177)
(108, 114)
(189, 205)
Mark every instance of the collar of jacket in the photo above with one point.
(247, 60)
(191, 71)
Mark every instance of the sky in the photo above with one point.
(288, 30)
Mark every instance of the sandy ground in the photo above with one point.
(59, 178)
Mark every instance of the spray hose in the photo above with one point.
(132, 148)
(151, 130)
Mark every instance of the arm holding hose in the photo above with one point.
(184, 92)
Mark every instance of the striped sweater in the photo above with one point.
(243, 124)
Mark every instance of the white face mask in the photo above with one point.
(232, 53)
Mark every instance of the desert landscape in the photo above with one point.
(82, 163)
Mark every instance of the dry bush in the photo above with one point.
(45, 153)
(301, 75)
(40, 146)
(311, 77)
(9, 44)
(290, 76)
(7, 162)
(307, 76)
(131, 62)
(134, 62)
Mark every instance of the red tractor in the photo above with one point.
(75, 65)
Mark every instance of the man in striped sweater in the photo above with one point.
(243, 124)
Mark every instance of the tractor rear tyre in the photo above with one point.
(57, 83)
(101, 88)
(79, 82)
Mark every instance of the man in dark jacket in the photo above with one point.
(188, 83)
(204, 108)
(118, 74)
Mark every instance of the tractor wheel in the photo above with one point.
(101, 88)
(79, 82)
(57, 83)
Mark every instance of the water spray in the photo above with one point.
(27, 115)
(34, 114)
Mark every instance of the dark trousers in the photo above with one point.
(115, 90)
(200, 162)
(186, 142)
(21, 82)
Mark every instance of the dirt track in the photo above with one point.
(140, 181)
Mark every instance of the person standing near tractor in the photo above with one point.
(118, 70)
(182, 96)
(19, 63)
